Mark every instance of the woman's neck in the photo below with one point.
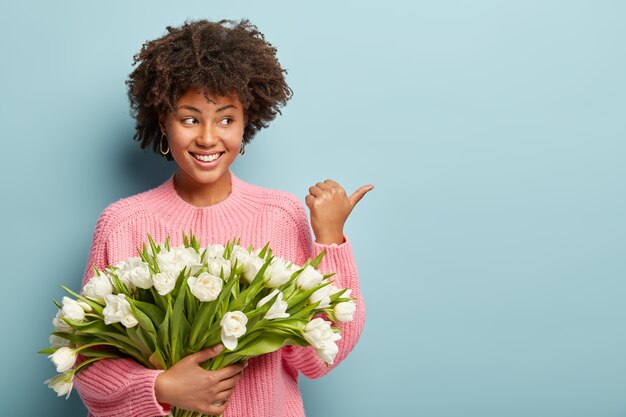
(202, 195)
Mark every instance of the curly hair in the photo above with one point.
(221, 58)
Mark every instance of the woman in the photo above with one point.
(199, 94)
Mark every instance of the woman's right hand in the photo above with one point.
(188, 386)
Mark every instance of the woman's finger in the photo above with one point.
(229, 371)
(358, 194)
(315, 191)
(332, 183)
(323, 186)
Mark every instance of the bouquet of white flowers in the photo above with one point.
(170, 302)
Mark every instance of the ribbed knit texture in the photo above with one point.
(269, 385)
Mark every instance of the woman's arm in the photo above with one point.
(124, 388)
(115, 387)
(338, 259)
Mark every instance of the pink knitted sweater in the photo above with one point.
(269, 385)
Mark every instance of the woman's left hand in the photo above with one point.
(330, 207)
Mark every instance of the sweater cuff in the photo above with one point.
(338, 258)
(148, 403)
(121, 376)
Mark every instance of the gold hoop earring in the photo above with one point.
(242, 149)
(164, 152)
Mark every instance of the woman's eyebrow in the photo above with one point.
(226, 107)
(188, 107)
(196, 110)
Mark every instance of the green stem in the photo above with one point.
(186, 413)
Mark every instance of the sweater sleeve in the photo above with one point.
(115, 387)
(338, 259)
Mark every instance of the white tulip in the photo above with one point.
(277, 273)
(344, 312)
(328, 352)
(72, 309)
(216, 265)
(320, 335)
(98, 287)
(252, 268)
(233, 327)
(178, 258)
(323, 296)
(214, 251)
(278, 310)
(118, 310)
(250, 262)
(60, 325)
(62, 384)
(164, 282)
(309, 278)
(123, 276)
(205, 287)
(64, 358)
(136, 272)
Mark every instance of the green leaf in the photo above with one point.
(155, 313)
(139, 342)
(156, 359)
(299, 299)
(181, 280)
(263, 251)
(177, 323)
(191, 305)
(75, 338)
(102, 354)
(268, 343)
(304, 313)
(247, 296)
(183, 339)
(315, 262)
(211, 337)
(142, 318)
(153, 245)
(164, 332)
(120, 287)
(72, 293)
(194, 242)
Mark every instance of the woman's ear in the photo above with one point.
(162, 123)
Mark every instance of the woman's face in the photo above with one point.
(204, 136)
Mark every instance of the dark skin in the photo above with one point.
(330, 206)
(188, 386)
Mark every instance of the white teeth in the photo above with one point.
(207, 158)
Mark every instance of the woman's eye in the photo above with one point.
(226, 121)
(189, 121)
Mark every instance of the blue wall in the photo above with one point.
(492, 251)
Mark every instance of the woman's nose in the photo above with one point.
(208, 137)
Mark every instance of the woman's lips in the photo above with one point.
(207, 161)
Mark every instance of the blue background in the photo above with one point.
(492, 251)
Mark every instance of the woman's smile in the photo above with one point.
(204, 135)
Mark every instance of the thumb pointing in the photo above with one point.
(358, 194)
